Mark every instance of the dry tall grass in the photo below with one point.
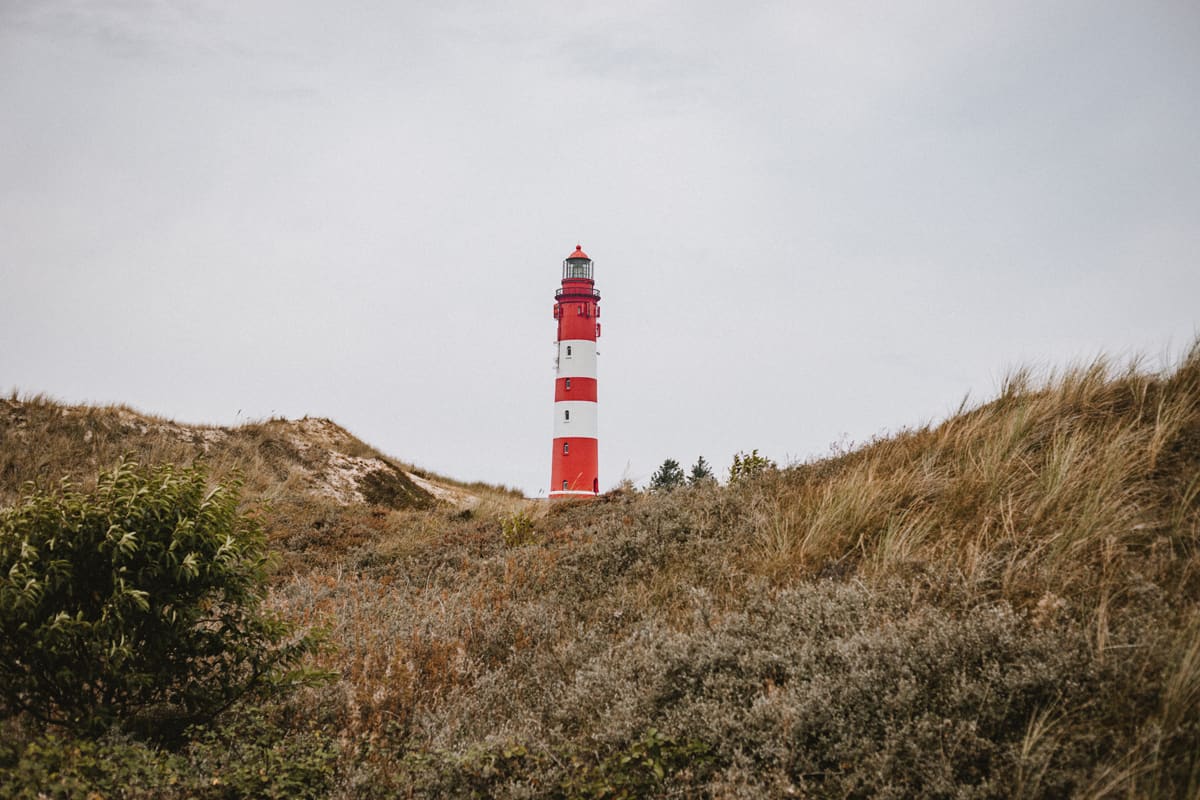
(1068, 486)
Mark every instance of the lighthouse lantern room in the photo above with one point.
(574, 466)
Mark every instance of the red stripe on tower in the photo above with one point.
(575, 389)
(574, 466)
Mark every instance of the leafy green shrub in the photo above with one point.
(140, 602)
(258, 754)
(251, 754)
(749, 465)
(638, 770)
(57, 766)
(517, 529)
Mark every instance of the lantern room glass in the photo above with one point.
(577, 268)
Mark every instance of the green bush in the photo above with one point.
(258, 754)
(249, 753)
(518, 529)
(749, 465)
(639, 770)
(138, 603)
(56, 766)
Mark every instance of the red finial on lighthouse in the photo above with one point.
(575, 463)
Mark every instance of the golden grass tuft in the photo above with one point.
(1060, 485)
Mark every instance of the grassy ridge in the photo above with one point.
(278, 459)
(1006, 604)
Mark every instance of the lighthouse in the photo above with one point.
(574, 466)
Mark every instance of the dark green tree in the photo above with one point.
(139, 600)
(701, 473)
(669, 476)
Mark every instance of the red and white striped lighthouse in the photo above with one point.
(574, 469)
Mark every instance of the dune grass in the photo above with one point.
(1004, 604)
(278, 460)
(1057, 486)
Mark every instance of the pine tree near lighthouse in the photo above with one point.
(574, 466)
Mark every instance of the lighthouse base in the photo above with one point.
(574, 467)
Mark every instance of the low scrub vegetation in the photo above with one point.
(1005, 604)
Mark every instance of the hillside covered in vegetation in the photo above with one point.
(1004, 604)
(279, 460)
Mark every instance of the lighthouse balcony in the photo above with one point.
(577, 291)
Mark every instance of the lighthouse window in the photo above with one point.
(566, 415)
(566, 448)
(577, 270)
(564, 486)
(568, 386)
(568, 351)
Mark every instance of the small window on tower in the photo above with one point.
(564, 486)
(568, 351)
(568, 386)
(566, 415)
(566, 448)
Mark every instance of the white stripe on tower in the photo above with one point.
(576, 358)
(575, 418)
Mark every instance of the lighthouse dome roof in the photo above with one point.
(579, 253)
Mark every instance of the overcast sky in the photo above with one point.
(811, 222)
